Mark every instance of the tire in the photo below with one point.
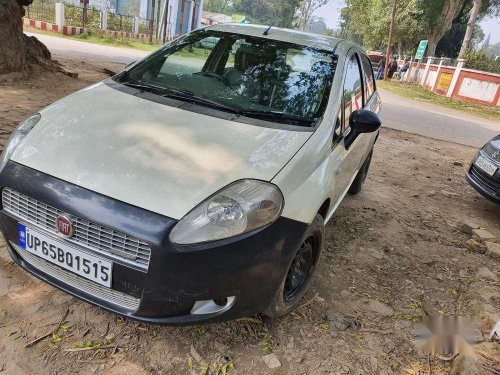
(358, 182)
(287, 297)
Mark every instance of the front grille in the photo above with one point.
(105, 294)
(87, 234)
(486, 181)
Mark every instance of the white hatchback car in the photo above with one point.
(195, 185)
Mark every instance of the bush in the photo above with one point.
(479, 60)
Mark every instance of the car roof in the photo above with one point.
(284, 35)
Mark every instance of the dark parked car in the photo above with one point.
(484, 172)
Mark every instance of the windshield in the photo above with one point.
(253, 77)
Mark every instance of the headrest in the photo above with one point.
(249, 56)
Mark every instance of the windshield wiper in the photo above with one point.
(172, 92)
(274, 115)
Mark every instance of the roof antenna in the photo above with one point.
(267, 31)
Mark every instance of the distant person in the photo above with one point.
(393, 67)
(381, 68)
(403, 70)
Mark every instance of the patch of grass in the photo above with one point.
(101, 39)
(415, 317)
(419, 93)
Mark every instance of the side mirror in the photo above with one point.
(362, 121)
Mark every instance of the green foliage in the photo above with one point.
(479, 60)
(268, 12)
(369, 20)
(450, 44)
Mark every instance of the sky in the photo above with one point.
(331, 12)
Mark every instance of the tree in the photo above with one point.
(268, 12)
(19, 52)
(450, 43)
(217, 6)
(470, 28)
(416, 20)
(306, 10)
(447, 11)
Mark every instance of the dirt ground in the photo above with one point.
(392, 254)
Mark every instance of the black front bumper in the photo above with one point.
(249, 267)
(486, 185)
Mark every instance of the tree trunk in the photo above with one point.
(450, 10)
(13, 46)
(470, 28)
(19, 52)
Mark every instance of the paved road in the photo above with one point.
(435, 121)
(397, 112)
(75, 48)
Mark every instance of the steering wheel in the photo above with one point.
(218, 77)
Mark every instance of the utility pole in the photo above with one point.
(152, 22)
(389, 44)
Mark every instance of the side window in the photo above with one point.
(369, 78)
(352, 97)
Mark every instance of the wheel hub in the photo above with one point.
(300, 270)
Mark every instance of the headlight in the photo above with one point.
(492, 152)
(16, 137)
(239, 208)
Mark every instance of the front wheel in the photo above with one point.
(300, 271)
(358, 182)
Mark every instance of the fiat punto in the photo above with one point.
(195, 185)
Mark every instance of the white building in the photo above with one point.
(182, 16)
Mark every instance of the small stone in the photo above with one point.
(271, 361)
(449, 193)
(374, 364)
(493, 250)
(196, 356)
(431, 193)
(468, 225)
(476, 246)
(483, 234)
(220, 347)
(375, 253)
(495, 332)
(485, 273)
(458, 164)
(379, 308)
(440, 277)
(345, 293)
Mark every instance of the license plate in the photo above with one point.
(486, 165)
(67, 257)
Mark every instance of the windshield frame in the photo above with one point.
(246, 115)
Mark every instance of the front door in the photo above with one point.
(349, 159)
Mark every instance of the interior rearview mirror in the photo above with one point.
(362, 121)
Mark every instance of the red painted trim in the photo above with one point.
(32, 23)
(43, 26)
(480, 77)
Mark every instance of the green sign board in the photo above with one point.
(421, 49)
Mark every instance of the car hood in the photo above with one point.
(157, 157)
